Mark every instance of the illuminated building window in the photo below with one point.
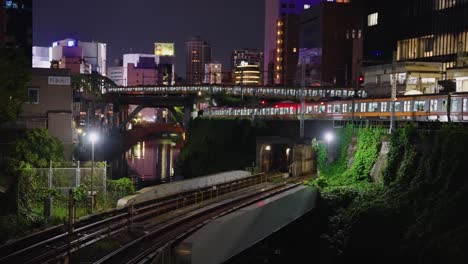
(372, 19)
(444, 4)
(306, 6)
(294, 50)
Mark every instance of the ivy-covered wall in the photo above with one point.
(336, 173)
(418, 215)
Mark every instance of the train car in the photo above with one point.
(430, 107)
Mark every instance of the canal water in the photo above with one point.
(152, 162)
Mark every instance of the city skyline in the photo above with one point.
(143, 27)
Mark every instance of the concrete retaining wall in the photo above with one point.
(153, 192)
(229, 235)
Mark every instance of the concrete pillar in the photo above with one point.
(171, 160)
(164, 161)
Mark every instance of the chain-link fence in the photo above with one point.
(66, 178)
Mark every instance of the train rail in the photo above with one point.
(56, 242)
(146, 248)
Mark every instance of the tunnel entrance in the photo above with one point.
(276, 157)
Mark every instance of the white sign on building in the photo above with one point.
(59, 80)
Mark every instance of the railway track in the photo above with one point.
(146, 248)
(55, 243)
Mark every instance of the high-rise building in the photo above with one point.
(136, 70)
(433, 30)
(329, 40)
(274, 10)
(166, 69)
(249, 56)
(213, 73)
(418, 31)
(198, 53)
(248, 74)
(78, 56)
(16, 24)
(287, 45)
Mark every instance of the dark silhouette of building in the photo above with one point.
(330, 37)
(414, 30)
(198, 53)
(16, 24)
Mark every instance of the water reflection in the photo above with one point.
(152, 161)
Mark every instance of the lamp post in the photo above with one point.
(328, 138)
(93, 137)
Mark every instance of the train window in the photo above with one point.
(363, 107)
(419, 105)
(454, 105)
(444, 105)
(322, 109)
(407, 106)
(345, 93)
(338, 93)
(373, 107)
(433, 106)
(314, 93)
(336, 108)
(356, 107)
(383, 107)
(397, 106)
(329, 108)
(465, 102)
(309, 109)
(332, 93)
(345, 108)
(316, 108)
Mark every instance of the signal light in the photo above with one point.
(361, 79)
(263, 102)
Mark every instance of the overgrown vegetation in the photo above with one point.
(14, 76)
(417, 216)
(22, 209)
(336, 173)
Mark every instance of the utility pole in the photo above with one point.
(301, 123)
(394, 90)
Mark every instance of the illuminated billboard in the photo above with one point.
(164, 49)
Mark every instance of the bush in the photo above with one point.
(120, 188)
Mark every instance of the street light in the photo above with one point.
(328, 138)
(93, 137)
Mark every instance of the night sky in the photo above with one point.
(132, 26)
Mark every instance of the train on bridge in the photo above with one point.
(427, 107)
(310, 93)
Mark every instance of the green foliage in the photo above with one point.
(80, 195)
(120, 188)
(14, 77)
(38, 147)
(417, 216)
(336, 173)
(366, 154)
(221, 145)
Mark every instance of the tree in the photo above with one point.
(38, 147)
(14, 77)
